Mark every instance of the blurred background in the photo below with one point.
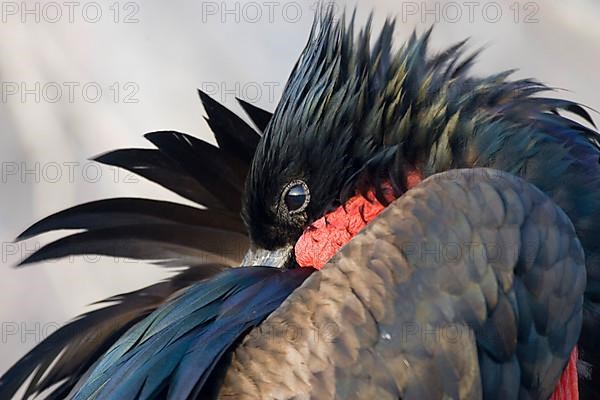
(81, 78)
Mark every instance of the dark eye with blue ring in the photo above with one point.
(296, 197)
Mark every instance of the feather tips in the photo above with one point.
(172, 233)
(259, 117)
(132, 211)
(66, 354)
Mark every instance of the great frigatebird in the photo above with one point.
(409, 231)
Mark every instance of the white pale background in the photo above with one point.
(172, 49)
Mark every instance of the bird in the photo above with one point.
(396, 228)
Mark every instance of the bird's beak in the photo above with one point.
(278, 258)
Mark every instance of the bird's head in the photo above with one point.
(320, 172)
(358, 124)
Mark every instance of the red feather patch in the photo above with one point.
(568, 385)
(326, 236)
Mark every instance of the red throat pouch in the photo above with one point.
(324, 238)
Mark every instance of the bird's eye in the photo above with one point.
(296, 196)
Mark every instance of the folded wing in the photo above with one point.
(470, 284)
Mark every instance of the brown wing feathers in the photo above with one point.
(400, 313)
